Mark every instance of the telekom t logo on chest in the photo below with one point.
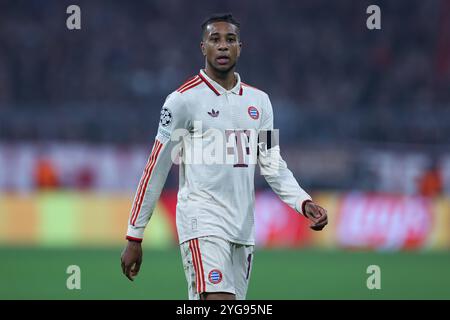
(240, 146)
(237, 147)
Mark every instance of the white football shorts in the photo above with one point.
(213, 264)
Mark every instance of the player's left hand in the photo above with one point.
(317, 215)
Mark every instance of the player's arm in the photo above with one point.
(280, 178)
(173, 117)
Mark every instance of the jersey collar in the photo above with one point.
(217, 88)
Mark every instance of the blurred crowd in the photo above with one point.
(330, 79)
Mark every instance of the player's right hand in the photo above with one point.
(131, 259)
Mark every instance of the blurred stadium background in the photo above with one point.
(364, 124)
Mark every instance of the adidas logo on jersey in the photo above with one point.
(213, 113)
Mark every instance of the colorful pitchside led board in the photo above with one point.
(356, 221)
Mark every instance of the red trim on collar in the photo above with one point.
(209, 84)
(240, 91)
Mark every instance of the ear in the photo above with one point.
(202, 47)
(240, 48)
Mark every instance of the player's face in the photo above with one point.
(221, 46)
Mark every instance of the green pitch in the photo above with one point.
(277, 274)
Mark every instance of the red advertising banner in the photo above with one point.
(380, 221)
(277, 224)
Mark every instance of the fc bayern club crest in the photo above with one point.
(253, 113)
(215, 276)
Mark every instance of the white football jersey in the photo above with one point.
(216, 194)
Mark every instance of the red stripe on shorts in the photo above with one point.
(202, 273)
(195, 263)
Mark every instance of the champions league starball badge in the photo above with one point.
(166, 117)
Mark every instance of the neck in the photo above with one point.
(226, 79)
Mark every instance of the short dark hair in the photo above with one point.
(219, 17)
